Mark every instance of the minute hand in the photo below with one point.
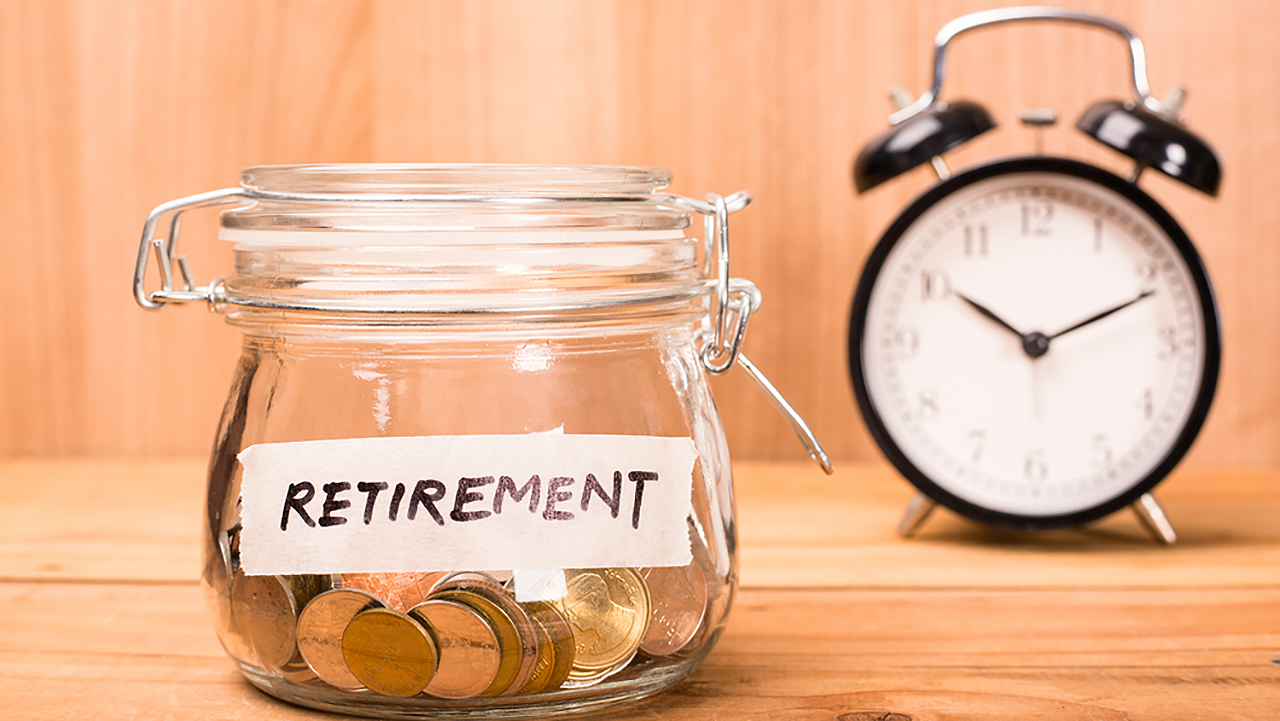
(1102, 315)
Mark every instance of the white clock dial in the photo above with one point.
(1035, 344)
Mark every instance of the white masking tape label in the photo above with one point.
(452, 503)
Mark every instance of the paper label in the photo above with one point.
(450, 503)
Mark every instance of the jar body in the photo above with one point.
(302, 379)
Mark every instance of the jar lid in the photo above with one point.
(398, 198)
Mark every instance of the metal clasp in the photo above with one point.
(732, 302)
(166, 252)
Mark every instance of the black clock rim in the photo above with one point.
(1182, 243)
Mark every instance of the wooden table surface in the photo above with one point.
(837, 617)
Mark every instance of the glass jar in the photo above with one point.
(469, 462)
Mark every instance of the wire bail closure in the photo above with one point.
(731, 300)
(732, 303)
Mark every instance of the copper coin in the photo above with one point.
(554, 628)
(469, 654)
(400, 591)
(320, 628)
(389, 652)
(608, 610)
(265, 611)
(526, 647)
(679, 599)
(217, 575)
(504, 629)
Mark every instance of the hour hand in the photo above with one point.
(988, 313)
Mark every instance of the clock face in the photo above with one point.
(1034, 342)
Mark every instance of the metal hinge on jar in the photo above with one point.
(731, 301)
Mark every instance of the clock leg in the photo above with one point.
(1153, 519)
(917, 511)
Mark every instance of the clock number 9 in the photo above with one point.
(907, 341)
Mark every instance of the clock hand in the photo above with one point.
(1034, 344)
(988, 313)
(1103, 314)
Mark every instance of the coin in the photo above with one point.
(264, 610)
(298, 671)
(400, 591)
(526, 648)
(469, 654)
(608, 610)
(504, 629)
(320, 629)
(679, 600)
(582, 679)
(389, 652)
(554, 628)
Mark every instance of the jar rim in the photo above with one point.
(427, 181)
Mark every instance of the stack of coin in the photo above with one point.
(463, 635)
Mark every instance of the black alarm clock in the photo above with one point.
(1034, 342)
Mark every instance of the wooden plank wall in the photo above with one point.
(110, 108)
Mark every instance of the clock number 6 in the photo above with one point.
(1036, 467)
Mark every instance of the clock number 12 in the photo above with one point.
(1036, 218)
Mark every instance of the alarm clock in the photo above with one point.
(1034, 342)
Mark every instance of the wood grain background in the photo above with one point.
(109, 108)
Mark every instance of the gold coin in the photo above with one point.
(400, 591)
(679, 600)
(389, 652)
(265, 610)
(488, 587)
(582, 679)
(469, 654)
(321, 626)
(554, 630)
(608, 610)
(543, 665)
